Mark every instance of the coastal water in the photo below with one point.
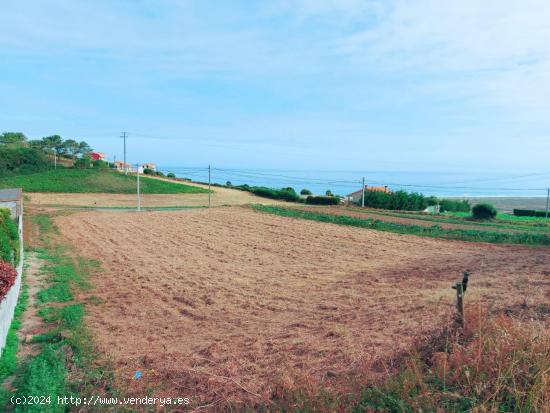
(344, 182)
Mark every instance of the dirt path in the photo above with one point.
(31, 323)
(228, 304)
(220, 197)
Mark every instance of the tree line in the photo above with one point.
(19, 155)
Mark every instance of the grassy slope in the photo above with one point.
(93, 181)
(528, 238)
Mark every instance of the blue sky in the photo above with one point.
(320, 84)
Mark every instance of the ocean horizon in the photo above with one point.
(438, 183)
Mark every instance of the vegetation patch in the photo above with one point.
(484, 212)
(66, 345)
(322, 200)
(435, 231)
(94, 181)
(284, 194)
(9, 238)
(497, 364)
(8, 360)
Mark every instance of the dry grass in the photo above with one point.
(497, 363)
(232, 306)
(219, 197)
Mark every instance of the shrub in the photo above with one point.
(100, 164)
(305, 192)
(21, 160)
(171, 175)
(148, 171)
(451, 205)
(399, 200)
(529, 213)
(286, 194)
(484, 211)
(322, 200)
(83, 163)
(7, 278)
(9, 237)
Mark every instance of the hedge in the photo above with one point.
(285, 194)
(529, 213)
(9, 238)
(322, 200)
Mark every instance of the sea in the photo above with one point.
(343, 182)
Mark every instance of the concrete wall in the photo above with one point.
(7, 306)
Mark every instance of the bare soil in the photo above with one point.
(231, 305)
(219, 197)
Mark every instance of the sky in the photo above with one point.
(304, 84)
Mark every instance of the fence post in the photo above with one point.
(460, 288)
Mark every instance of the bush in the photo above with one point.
(171, 175)
(9, 238)
(83, 163)
(100, 164)
(21, 160)
(399, 200)
(451, 205)
(484, 211)
(529, 213)
(7, 278)
(305, 192)
(322, 200)
(286, 194)
(148, 171)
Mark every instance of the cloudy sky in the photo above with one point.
(325, 84)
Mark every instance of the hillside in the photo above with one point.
(93, 181)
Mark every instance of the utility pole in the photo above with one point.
(363, 194)
(138, 194)
(208, 186)
(547, 199)
(123, 136)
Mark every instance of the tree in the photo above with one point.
(328, 193)
(305, 192)
(36, 144)
(12, 139)
(84, 148)
(53, 143)
(71, 147)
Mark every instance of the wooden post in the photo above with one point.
(460, 288)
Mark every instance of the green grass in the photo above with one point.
(464, 218)
(8, 360)
(435, 231)
(66, 363)
(94, 181)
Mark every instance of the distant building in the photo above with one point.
(121, 166)
(357, 195)
(97, 156)
(12, 199)
(149, 165)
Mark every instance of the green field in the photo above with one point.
(94, 181)
(435, 231)
(502, 221)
